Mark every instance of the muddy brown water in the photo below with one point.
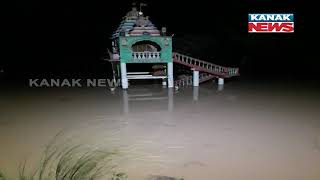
(242, 131)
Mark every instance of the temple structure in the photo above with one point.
(138, 40)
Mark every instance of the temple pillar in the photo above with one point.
(195, 78)
(124, 79)
(170, 75)
(220, 81)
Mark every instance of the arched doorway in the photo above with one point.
(145, 46)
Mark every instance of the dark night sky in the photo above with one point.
(69, 37)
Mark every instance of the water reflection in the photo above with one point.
(166, 94)
(162, 98)
(170, 99)
(125, 101)
(195, 92)
(220, 87)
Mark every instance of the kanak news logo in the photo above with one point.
(270, 23)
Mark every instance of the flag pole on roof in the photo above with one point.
(140, 10)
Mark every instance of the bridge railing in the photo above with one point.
(188, 81)
(197, 63)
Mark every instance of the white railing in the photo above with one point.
(145, 55)
(204, 65)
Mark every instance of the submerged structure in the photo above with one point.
(138, 40)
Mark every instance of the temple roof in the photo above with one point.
(136, 24)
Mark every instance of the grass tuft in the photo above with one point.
(119, 176)
(65, 162)
(2, 176)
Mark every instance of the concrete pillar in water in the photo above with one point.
(164, 82)
(170, 75)
(220, 84)
(195, 78)
(220, 81)
(124, 79)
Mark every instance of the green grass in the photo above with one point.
(119, 176)
(65, 162)
(73, 164)
(2, 176)
(76, 162)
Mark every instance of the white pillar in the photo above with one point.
(220, 81)
(195, 78)
(124, 79)
(170, 75)
(220, 84)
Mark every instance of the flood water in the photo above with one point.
(242, 131)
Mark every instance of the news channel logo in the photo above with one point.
(271, 23)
